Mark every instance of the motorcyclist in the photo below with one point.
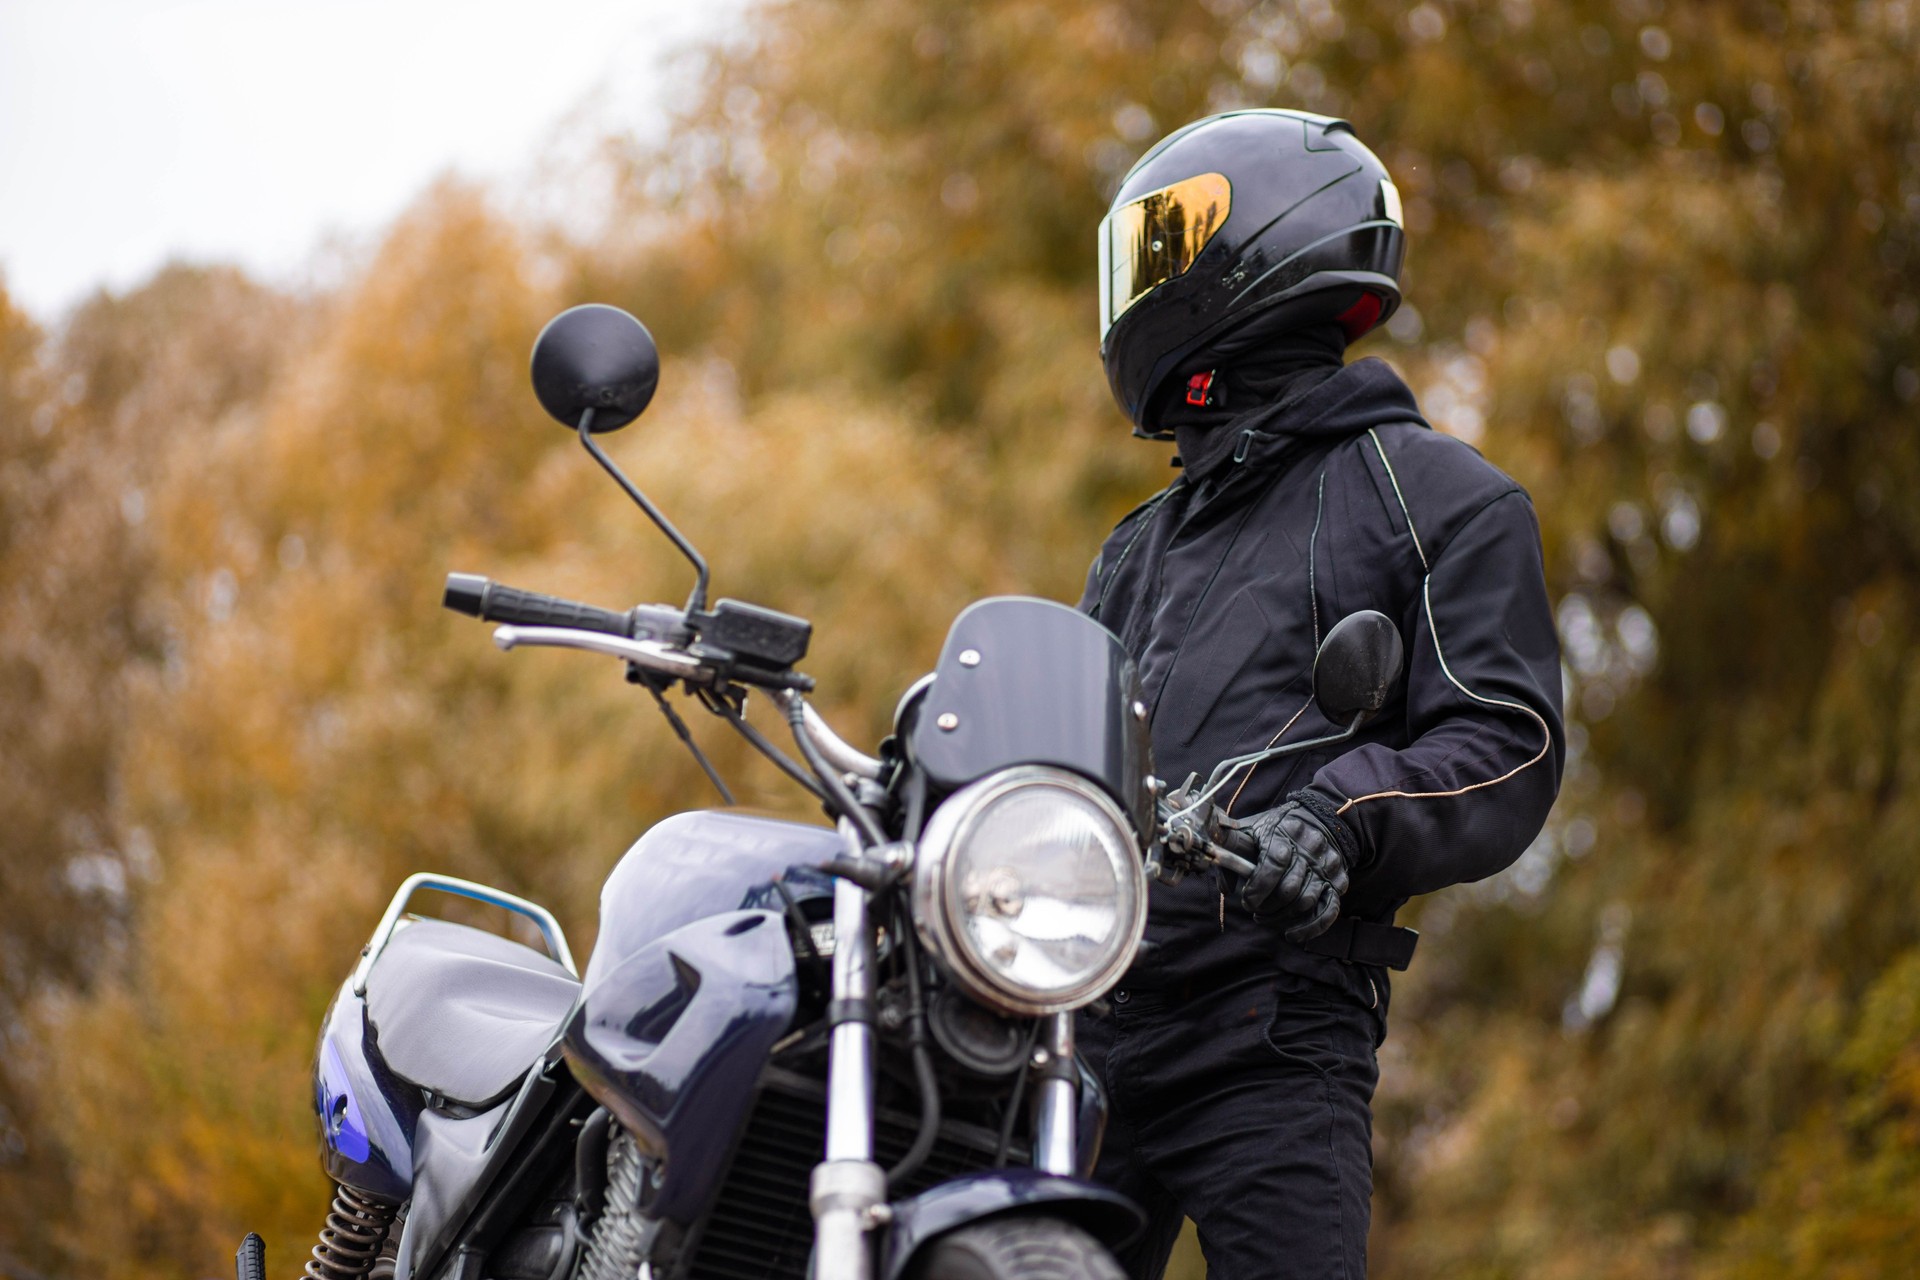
(1241, 256)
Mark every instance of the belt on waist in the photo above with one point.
(1365, 942)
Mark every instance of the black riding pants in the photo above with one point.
(1244, 1103)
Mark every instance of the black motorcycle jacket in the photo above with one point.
(1287, 517)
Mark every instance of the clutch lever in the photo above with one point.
(1195, 835)
(1232, 861)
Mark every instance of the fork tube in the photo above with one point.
(850, 1067)
(1056, 1107)
(848, 1187)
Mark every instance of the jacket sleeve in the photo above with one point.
(1091, 593)
(1473, 786)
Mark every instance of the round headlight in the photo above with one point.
(1028, 887)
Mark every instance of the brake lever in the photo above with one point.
(650, 655)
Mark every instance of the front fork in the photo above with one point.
(848, 1194)
(849, 1191)
(1056, 1104)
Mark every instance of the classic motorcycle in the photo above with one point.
(837, 1051)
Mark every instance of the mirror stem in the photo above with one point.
(1227, 768)
(697, 602)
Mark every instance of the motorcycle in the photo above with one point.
(797, 1050)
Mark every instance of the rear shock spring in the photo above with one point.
(350, 1242)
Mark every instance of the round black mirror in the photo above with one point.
(1357, 666)
(595, 357)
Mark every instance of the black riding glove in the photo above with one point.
(1306, 852)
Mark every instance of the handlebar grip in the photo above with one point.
(1239, 840)
(475, 596)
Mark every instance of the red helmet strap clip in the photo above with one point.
(1360, 317)
(1200, 388)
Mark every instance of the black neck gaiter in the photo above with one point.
(1251, 371)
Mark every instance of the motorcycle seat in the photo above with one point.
(462, 1012)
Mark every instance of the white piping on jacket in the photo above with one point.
(1546, 734)
(1395, 480)
(1426, 596)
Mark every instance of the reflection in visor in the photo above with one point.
(1152, 240)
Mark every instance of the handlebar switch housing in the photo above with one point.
(764, 637)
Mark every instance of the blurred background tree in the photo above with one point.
(1662, 269)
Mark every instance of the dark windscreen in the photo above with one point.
(1026, 681)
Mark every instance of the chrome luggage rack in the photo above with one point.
(543, 919)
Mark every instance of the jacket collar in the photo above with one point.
(1325, 406)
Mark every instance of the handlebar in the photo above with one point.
(1200, 835)
(1239, 841)
(478, 597)
(1235, 849)
(711, 652)
(651, 637)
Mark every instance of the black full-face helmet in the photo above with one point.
(1279, 216)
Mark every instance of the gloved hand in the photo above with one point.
(1302, 871)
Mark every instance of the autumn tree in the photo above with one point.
(1661, 269)
(88, 416)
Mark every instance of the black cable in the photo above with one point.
(685, 735)
(923, 1076)
(781, 759)
(916, 806)
(837, 794)
(590, 1165)
(798, 920)
(1019, 1096)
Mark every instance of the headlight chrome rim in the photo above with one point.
(939, 917)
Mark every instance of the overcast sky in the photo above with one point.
(132, 131)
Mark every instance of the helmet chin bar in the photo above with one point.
(1327, 297)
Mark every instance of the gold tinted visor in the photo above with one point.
(1149, 241)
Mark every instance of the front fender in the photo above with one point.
(1109, 1216)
